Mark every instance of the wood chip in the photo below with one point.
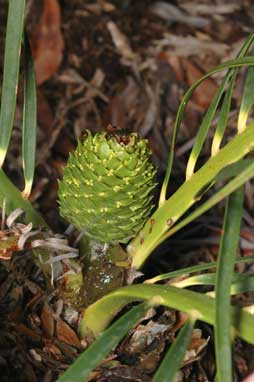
(66, 334)
(47, 42)
(47, 320)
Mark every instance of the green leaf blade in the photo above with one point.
(29, 121)
(246, 172)
(223, 117)
(204, 128)
(14, 32)
(174, 357)
(193, 269)
(247, 101)
(224, 276)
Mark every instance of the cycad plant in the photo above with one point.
(106, 193)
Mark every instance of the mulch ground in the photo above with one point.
(125, 63)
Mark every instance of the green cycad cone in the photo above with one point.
(107, 186)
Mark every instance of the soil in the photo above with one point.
(125, 63)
